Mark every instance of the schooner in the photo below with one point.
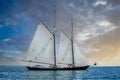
(42, 55)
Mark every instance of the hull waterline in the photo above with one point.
(66, 68)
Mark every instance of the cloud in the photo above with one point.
(100, 2)
(90, 49)
(6, 40)
(99, 28)
(104, 23)
(71, 4)
(10, 54)
(111, 7)
(1, 26)
(10, 51)
(83, 36)
(105, 26)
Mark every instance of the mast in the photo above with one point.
(73, 60)
(54, 25)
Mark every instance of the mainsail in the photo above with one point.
(79, 58)
(65, 50)
(42, 46)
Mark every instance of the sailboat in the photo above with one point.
(42, 55)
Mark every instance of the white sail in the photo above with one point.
(79, 58)
(42, 46)
(65, 51)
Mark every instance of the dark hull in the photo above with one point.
(72, 68)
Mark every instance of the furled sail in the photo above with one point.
(79, 58)
(65, 50)
(42, 46)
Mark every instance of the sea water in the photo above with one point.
(92, 73)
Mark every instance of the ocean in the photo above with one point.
(92, 73)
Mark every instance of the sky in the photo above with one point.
(95, 22)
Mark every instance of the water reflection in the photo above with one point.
(54, 75)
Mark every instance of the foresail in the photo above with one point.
(42, 46)
(65, 50)
(79, 58)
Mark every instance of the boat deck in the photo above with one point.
(64, 68)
